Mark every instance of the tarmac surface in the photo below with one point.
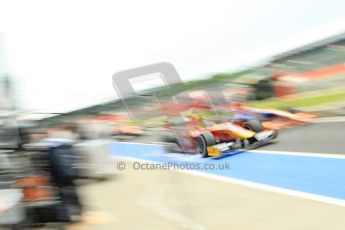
(327, 137)
(166, 199)
(174, 200)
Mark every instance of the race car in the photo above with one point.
(195, 135)
(238, 109)
(272, 118)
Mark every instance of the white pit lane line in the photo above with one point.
(329, 119)
(306, 154)
(269, 188)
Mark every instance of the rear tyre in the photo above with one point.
(203, 141)
(171, 144)
(253, 125)
(293, 110)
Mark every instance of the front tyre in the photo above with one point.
(203, 141)
(252, 125)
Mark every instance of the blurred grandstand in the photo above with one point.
(319, 65)
(318, 55)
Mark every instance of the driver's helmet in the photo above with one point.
(196, 120)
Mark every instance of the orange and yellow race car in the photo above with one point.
(195, 135)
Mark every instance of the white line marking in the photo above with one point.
(309, 196)
(289, 192)
(299, 154)
(329, 119)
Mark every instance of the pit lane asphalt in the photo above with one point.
(140, 199)
(328, 137)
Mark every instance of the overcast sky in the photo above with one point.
(63, 53)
